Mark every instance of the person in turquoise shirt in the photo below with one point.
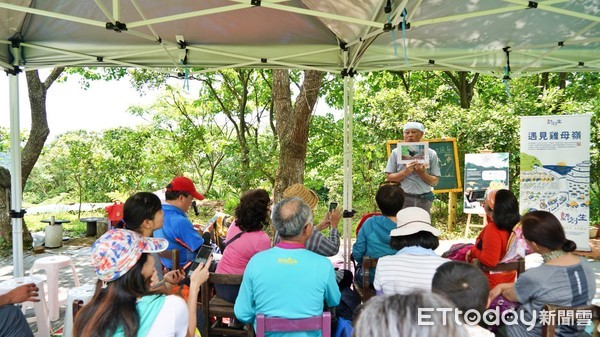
(288, 280)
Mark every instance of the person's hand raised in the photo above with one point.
(335, 218)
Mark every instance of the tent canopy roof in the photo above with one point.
(471, 35)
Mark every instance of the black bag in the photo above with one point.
(230, 241)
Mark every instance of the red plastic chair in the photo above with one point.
(363, 219)
(277, 324)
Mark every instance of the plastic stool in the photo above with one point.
(83, 293)
(52, 265)
(41, 311)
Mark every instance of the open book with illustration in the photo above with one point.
(410, 152)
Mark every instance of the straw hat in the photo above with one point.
(299, 190)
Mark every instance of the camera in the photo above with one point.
(476, 195)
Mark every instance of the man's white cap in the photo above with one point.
(411, 220)
(414, 125)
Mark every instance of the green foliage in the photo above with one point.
(224, 138)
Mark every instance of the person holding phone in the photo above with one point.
(142, 213)
(123, 303)
(318, 242)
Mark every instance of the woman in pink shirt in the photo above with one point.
(245, 238)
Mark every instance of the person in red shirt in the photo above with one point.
(502, 213)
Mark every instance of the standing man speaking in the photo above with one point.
(416, 179)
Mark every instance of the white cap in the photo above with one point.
(412, 220)
(414, 125)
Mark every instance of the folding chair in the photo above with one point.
(277, 324)
(214, 306)
(366, 291)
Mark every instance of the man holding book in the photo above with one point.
(416, 177)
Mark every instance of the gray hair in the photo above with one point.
(290, 216)
(398, 315)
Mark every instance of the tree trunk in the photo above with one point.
(31, 152)
(543, 82)
(463, 87)
(292, 126)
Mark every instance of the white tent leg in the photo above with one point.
(15, 172)
(347, 165)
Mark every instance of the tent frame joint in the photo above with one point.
(348, 214)
(15, 42)
(348, 72)
(532, 4)
(14, 71)
(256, 3)
(16, 215)
(117, 26)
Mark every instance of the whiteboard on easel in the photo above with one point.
(483, 171)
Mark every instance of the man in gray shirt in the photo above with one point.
(416, 179)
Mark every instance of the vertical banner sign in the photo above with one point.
(483, 171)
(555, 171)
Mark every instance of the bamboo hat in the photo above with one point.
(301, 191)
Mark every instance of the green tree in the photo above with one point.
(37, 91)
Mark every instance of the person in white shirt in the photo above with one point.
(413, 266)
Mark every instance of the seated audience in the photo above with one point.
(467, 287)
(413, 266)
(373, 239)
(318, 243)
(502, 212)
(178, 230)
(12, 320)
(563, 279)
(410, 315)
(123, 304)
(245, 238)
(288, 280)
(142, 213)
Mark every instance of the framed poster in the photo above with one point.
(447, 152)
(483, 172)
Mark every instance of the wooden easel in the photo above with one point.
(469, 224)
(484, 219)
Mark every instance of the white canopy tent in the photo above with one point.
(505, 38)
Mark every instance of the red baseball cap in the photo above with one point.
(183, 184)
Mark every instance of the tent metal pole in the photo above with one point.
(347, 165)
(15, 169)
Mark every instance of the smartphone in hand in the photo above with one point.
(203, 254)
(332, 206)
